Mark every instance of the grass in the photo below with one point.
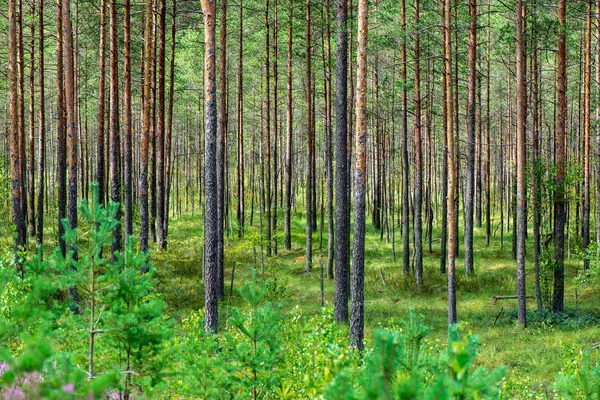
(535, 354)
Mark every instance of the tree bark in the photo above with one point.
(42, 130)
(160, 126)
(405, 164)
(309, 156)
(357, 321)
(471, 132)
(240, 132)
(146, 127)
(452, 176)
(221, 133)
(521, 137)
(418, 158)
(287, 226)
(114, 132)
(13, 129)
(100, 155)
(586, 134)
(342, 210)
(127, 127)
(211, 319)
(560, 158)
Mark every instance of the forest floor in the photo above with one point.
(533, 356)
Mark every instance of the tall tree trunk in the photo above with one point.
(560, 159)
(342, 210)
(146, 127)
(100, 156)
(357, 322)
(275, 128)
(114, 132)
(289, 132)
(127, 126)
(405, 164)
(21, 108)
(15, 159)
(471, 132)
(160, 126)
(42, 130)
(240, 131)
(488, 213)
(31, 165)
(329, 156)
(586, 133)
(268, 178)
(536, 200)
(452, 175)
(211, 222)
(221, 133)
(71, 129)
(61, 137)
(309, 170)
(418, 159)
(445, 84)
(521, 159)
(169, 135)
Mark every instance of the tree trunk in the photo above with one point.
(418, 159)
(31, 165)
(127, 127)
(342, 211)
(560, 159)
(100, 156)
(114, 132)
(240, 131)
(42, 130)
(211, 222)
(221, 133)
(521, 136)
(160, 126)
(289, 132)
(309, 156)
(471, 132)
(586, 134)
(15, 159)
(358, 252)
(61, 138)
(146, 126)
(452, 176)
(405, 164)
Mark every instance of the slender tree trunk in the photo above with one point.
(211, 222)
(169, 134)
(275, 128)
(418, 158)
(342, 211)
(240, 131)
(597, 122)
(13, 129)
(221, 133)
(71, 129)
(586, 133)
(309, 156)
(289, 132)
(521, 159)
(146, 126)
(452, 176)
(160, 126)
(100, 156)
(31, 165)
(445, 84)
(560, 159)
(358, 252)
(42, 130)
(488, 213)
(21, 108)
(127, 126)
(61, 138)
(114, 129)
(329, 156)
(405, 164)
(471, 132)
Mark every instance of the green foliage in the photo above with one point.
(583, 382)
(398, 367)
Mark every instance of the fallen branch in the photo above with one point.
(497, 316)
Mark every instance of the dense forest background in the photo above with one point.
(353, 157)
